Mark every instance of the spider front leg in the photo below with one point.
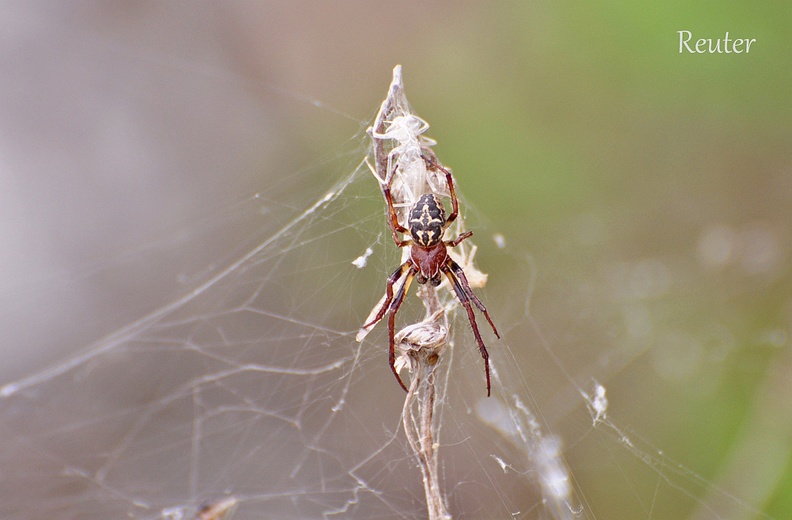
(392, 279)
(393, 303)
(460, 274)
(464, 293)
(394, 308)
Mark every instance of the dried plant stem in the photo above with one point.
(400, 166)
(419, 406)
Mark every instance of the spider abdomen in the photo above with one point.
(427, 218)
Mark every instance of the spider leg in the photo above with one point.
(458, 240)
(463, 293)
(460, 274)
(394, 308)
(450, 181)
(393, 217)
(392, 279)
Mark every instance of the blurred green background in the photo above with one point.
(652, 191)
(655, 187)
(649, 191)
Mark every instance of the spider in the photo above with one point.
(428, 260)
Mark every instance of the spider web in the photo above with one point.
(250, 384)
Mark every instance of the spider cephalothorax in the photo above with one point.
(428, 260)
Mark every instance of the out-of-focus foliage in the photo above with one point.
(652, 189)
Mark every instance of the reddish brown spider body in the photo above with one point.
(428, 260)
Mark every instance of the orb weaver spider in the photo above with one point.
(428, 260)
